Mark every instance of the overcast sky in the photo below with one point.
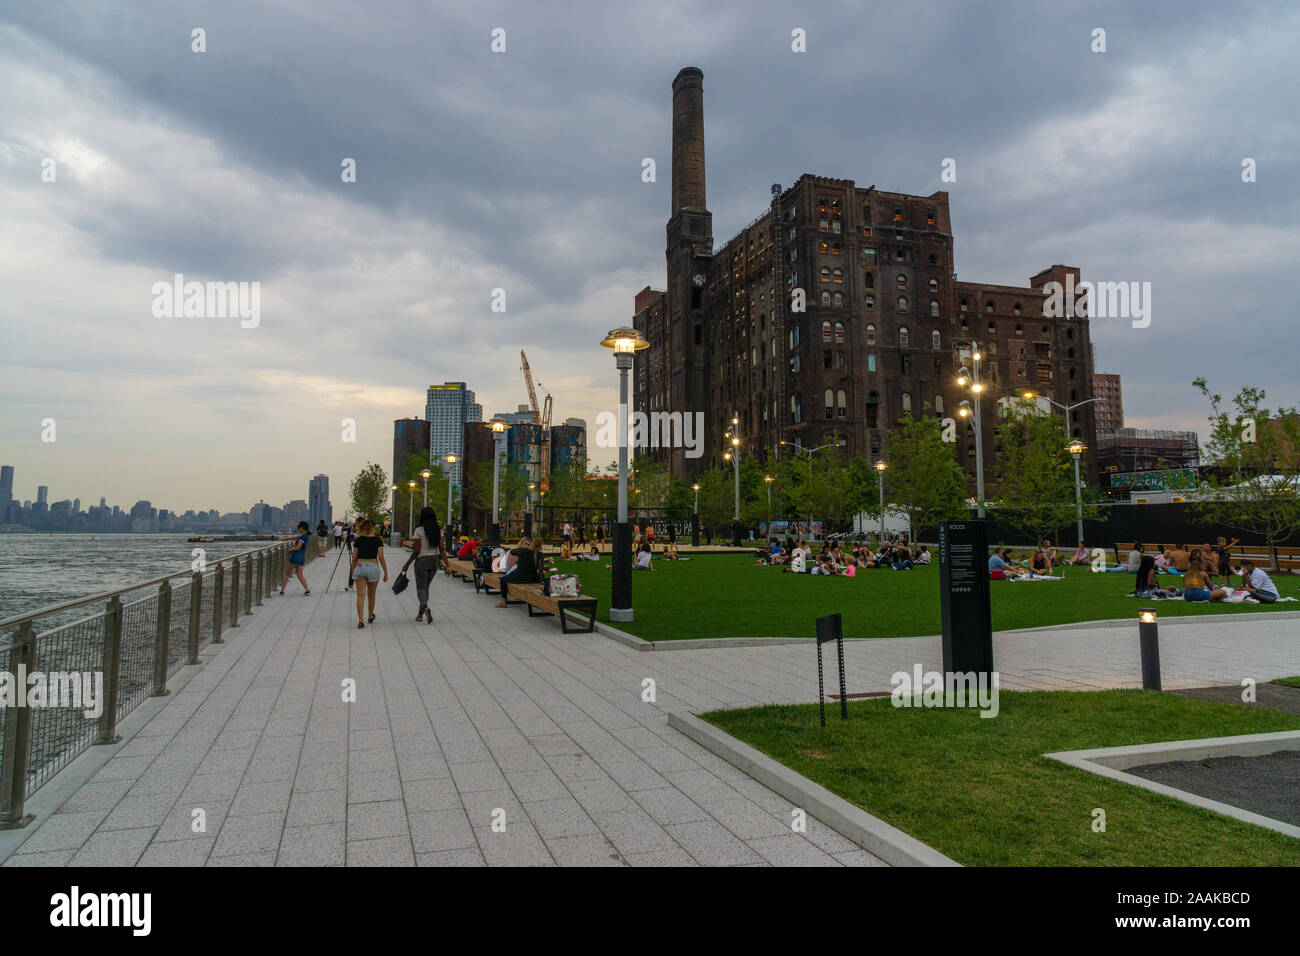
(522, 170)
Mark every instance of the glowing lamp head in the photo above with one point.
(411, 484)
(426, 473)
(498, 426)
(769, 479)
(1147, 615)
(1029, 396)
(976, 356)
(452, 459)
(695, 487)
(881, 466)
(625, 341)
(977, 388)
(1075, 447)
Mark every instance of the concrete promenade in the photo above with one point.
(487, 710)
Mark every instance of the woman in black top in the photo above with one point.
(367, 559)
(527, 569)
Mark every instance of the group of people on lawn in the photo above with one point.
(797, 557)
(1199, 568)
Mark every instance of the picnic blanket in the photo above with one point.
(1042, 577)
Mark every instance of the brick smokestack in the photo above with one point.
(688, 140)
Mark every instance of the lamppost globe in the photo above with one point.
(498, 427)
(880, 467)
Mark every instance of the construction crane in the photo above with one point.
(542, 416)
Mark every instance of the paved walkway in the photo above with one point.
(487, 710)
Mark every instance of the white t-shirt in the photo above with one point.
(427, 550)
(1258, 579)
(643, 559)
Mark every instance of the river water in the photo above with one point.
(37, 570)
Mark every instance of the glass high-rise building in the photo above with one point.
(6, 491)
(318, 501)
(448, 407)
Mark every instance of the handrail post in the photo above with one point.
(218, 591)
(234, 593)
(261, 577)
(112, 665)
(248, 584)
(17, 738)
(196, 616)
(162, 646)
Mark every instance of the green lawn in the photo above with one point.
(979, 790)
(1289, 681)
(730, 596)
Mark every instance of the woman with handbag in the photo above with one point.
(426, 553)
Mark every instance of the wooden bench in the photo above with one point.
(462, 568)
(561, 607)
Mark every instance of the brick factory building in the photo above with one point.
(885, 327)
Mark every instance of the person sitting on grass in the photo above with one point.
(923, 557)
(1197, 584)
(566, 549)
(1134, 558)
(902, 559)
(1162, 562)
(1001, 561)
(1080, 555)
(1146, 586)
(837, 556)
(593, 554)
(1041, 562)
(670, 552)
(1181, 559)
(1258, 583)
(1048, 550)
(644, 558)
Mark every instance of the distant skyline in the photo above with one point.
(522, 171)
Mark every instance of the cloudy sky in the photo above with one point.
(522, 170)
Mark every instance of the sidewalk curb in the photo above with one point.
(871, 833)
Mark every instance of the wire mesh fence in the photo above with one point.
(73, 670)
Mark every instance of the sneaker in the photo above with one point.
(305, 593)
(360, 625)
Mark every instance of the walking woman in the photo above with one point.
(298, 557)
(527, 569)
(426, 552)
(367, 559)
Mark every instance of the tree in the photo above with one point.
(716, 500)
(416, 462)
(370, 493)
(512, 488)
(924, 480)
(1035, 475)
(1256, 454)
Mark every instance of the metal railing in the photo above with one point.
(132, 639)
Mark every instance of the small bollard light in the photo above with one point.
(1149, 643)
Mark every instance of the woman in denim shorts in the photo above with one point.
(367, 560)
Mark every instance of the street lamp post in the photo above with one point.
(1076, 451)
(880, 471)
(733, 455)
(810, 452)
(769, 479)
(451, 460)
(394, 536)
(624, 343)
(498, 427)
(695, 518)
(528, 516)
(410, 510)
(426, 474)
(966, 378)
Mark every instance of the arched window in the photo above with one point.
(992, 328)
(870, 302)
(826, 328)
(838, 300)
(1069, 333)
(963, 305)
(902, 303)
(907, 401)
(826, 298)
(835, 249)
(838, 275)
(902, 281)
(898, 214)
(869, 280)
(934, 308)
(1016, 309)
(938, 404)
(830, 404)
(826, 274)
(1020, 329)
(1069, 353)
(903, 337)
(871, 335)
(825, 247)
(934, 285)
(842, 403)
(839, 333)
(988, 306)
(935, 342)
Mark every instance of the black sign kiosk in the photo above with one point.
(964, 597)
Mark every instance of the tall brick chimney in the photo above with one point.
(688, 140)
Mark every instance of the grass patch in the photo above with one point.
(1289, 681)
(980, 791)
(730, 596)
